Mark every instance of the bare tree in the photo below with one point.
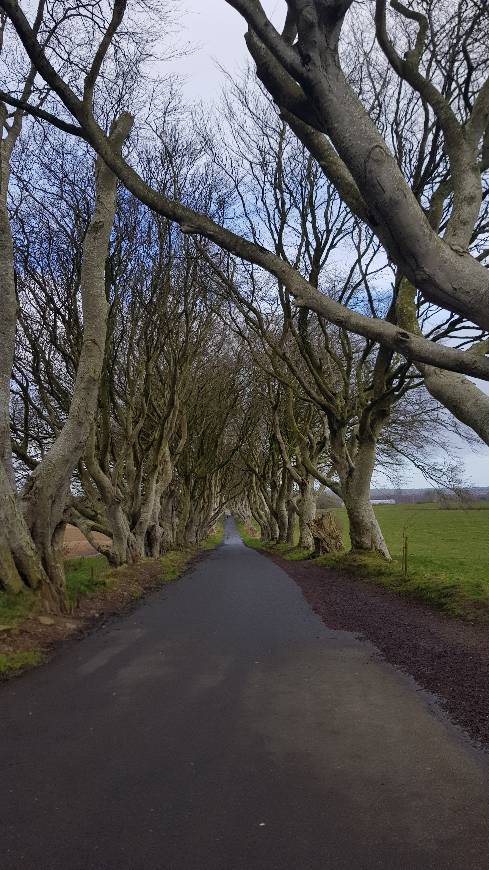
(34, 527)
(306, 79)
(32, 522)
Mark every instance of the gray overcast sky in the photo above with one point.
(216, 32)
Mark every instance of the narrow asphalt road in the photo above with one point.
(221, 726)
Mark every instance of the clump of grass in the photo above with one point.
(85, 575)
(16, 608)
(250, 539)
(13, 662)
(214, 539)
(293, 554)
(174, 562)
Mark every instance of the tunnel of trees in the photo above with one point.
(237, 309)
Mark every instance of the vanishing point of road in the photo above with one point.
(220, 725)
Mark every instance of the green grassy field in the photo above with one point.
(455, 542)
(448, 555)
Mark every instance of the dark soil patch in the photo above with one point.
(448, 657)
(129, 584)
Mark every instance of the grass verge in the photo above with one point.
(12, 663)
(85, 575)
(15, 608)
(214, 539)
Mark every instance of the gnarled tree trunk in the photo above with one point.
(365, 531)
(45, 496)
(291, 522)
(148, 532)
(282, 518)
(306, 509)
(20, 564)
(168, 520)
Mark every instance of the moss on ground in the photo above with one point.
(13, 662)
(16, 608)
